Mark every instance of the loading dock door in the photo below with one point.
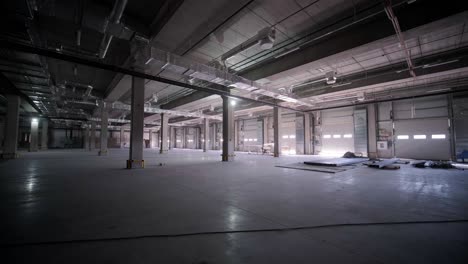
(337, 131)
(422, 139)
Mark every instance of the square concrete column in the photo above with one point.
(206, 134)
(104, 129)
(122, 136)
(44, 135)
(228, 129)
(184, 138)
(172, 136)
(277, 131)
(92, 138)
(150, 145)
(137, 126)
(307, 134)
(265, 130)
(11, 129)
(33, 143)
(164, 133)
(372, 131)
(86, 137)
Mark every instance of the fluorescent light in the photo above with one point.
(285, 136)
(326, 136)
(340, 84)
(286, 52)
(233, 103)
(438, 136)
(402, 137)
(34, 120)
(438, 64)
(178, 141)
(292, 136)
(336, 136)
(419, 137)
(347, 135)
(255, 139)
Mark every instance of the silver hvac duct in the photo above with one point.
(114, 18)
(191, 69)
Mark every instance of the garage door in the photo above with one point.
(422, 139)
(422, 128)
(337, 131)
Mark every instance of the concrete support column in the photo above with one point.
(104, 129)
(228, 130)
(307, 134)
(150, 145)
(92, 138)
(44, 134)
(265, 130)
(164, 133)
(371, 131)
(122, 136)
(206, 134)
(11, 128)
(184, 137)
(277, 131)
(86, 137)
(172, 137)
(137, 126)
(33, 143)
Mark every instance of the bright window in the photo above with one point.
(285, 136)
(336, 136)
(178, 141)
(292, 136)
(402, 137)
(255, 139)
(419, 136)
(347, 135)
(326, 136)
(438, 136)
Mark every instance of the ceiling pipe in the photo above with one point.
(396, 26)
(114, 18)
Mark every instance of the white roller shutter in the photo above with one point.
(337, 131)
(422, 128)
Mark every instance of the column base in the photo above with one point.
(131, 164)
(102, 153)
(9, 156)
(276, 155)
(163, 151)
(229, 157)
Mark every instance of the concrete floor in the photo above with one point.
(72, 195)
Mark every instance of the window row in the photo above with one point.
(338, 136)
(434, 136)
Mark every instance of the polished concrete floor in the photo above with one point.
(58, 196)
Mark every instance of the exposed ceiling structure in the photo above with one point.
(301, 54)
